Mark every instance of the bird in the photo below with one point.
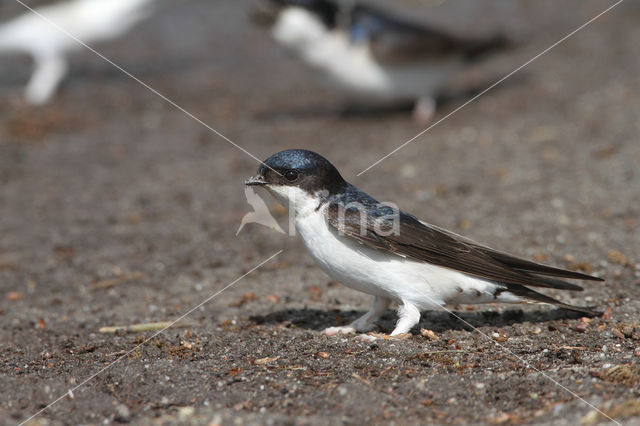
(376, 248)
(373, 55)
(260, 213)
(50, 33)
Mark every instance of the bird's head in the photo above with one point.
(298, 178)
(296, 23)
(265, 12)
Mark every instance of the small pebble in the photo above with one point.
(429, 334)
(582, 325)
(123, 414)
(185, 412)
(618, 333)
(366, 337)
(626, 329)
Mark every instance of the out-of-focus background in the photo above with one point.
(116, 208)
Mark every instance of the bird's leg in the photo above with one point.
(49, 71)
(365, 322)
(424, 110)
(409, 315)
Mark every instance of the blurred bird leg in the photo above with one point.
(424, 110)
(47, 75)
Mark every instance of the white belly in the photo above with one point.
(382, 274)
(353, 67)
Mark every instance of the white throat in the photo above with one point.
(297, 201)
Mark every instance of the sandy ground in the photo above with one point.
(118, 209)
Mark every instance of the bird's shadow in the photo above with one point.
(446, 102)
(438, 321)
(346, 111)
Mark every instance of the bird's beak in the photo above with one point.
(257, 180)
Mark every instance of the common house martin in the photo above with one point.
(377, 249)
(374, 56)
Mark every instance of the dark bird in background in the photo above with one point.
(371, 54)
(374, 248)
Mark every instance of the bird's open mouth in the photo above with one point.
(256, 180)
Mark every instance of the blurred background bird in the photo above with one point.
(375, 57)
(47, 35)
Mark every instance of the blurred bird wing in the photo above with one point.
(394, 41)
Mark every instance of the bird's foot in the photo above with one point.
(409, 315)
(366, 322)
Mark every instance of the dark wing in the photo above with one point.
(422, 242)
(517, 262)
(395, 41)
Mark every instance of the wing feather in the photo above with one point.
(396, 41)
(426, 243)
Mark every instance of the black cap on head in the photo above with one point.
(302, 168)
(326, 10)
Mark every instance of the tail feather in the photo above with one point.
(547, 282)
(539, 269)
(483, 47)
(533, 295)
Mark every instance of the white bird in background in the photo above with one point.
(45, 35)
(373, 55)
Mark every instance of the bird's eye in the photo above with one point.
(291, 175)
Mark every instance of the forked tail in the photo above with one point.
(533, 295)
